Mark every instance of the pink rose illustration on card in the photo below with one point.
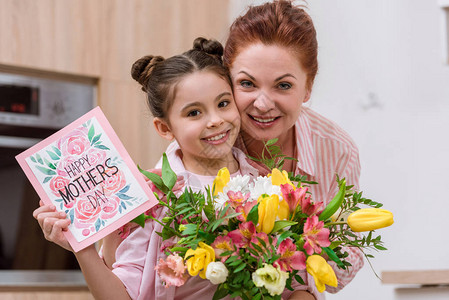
(85, 171)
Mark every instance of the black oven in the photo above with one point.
(31, 109)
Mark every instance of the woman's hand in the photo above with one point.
(302, 295)
(53, 224)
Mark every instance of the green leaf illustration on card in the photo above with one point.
(91, 133)
(46, 171)
(49, 164)
(97, 225)
(102, 147)
(123, 196)
(125, 189)
(46, 179)
(39, 159)
(53, 155)
(57, 151)
(95, 139)
(33, 159)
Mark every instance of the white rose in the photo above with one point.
(273, 279)
(216, 272)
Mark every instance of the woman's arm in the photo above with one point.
(350, 171)
(301, 295)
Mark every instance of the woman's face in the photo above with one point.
(269, 90)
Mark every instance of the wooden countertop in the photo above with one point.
(419, 277)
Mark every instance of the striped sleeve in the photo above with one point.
(334, 153)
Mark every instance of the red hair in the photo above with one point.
(276, 23)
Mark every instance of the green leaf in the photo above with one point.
(140, 220)
(39, 159)
(156, 179)
(332, 255)
(335, 244)
(283, 236)
(57, 151)
(379, 247)
(253, 215)
(168, 176)
(220, 293)
(102, 147)
(46, 171)
(271, 142)
(53, 155)
(190, 229)
(167, 232)
(335, 203)
(368, 238)
(46, 179)
(33, 159)
(95, 139)
(299, 279)
(257, 247)
(239, 268)
(278, 225)
(232, 215)
(91, 133)
(231, 258)
(49, 164)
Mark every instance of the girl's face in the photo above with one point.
(269, 90)
(204, 119)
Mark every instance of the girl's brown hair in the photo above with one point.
(276, 23)
(159, 76)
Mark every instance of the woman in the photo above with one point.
(271, 53)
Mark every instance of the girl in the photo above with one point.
(191, 98)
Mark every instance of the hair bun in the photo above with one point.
(211, 47)
(142, 68)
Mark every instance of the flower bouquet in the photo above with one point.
(252, 238)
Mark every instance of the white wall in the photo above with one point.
(382, 79)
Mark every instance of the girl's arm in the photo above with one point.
(101, 281)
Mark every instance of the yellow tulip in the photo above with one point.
(321, 271)
(283, 211)
(221, 180)
(278, 178)
(199, 259)
(367, 219)
(268, 210)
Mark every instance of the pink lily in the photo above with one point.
(261, 235)
(315, 235)
(222, 244)
(290, 257)
(241, 237)
(292, 196)
(245, 209)
(310, 207)
(237, 198)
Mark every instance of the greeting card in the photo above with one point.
(84, 170)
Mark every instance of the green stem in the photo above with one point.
(336, 223)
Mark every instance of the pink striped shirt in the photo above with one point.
(324, 150)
